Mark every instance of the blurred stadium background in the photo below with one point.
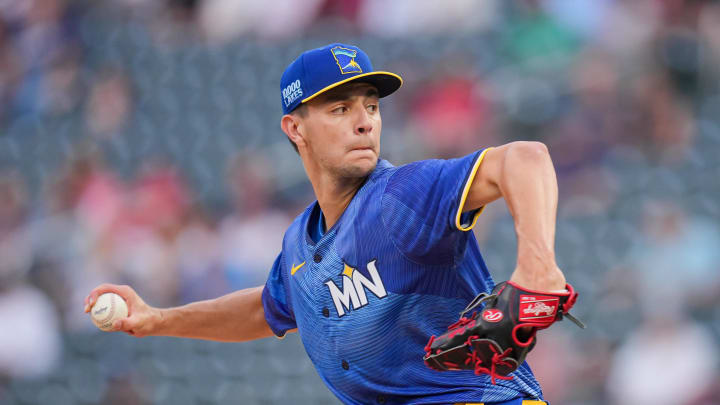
(140, 144)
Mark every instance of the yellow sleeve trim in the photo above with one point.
(465, 192)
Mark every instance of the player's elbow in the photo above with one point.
(529, 151)
(529, 156)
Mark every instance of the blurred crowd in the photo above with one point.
(140, 144)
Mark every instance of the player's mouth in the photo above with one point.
(361, 148)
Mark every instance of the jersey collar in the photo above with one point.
(381, 166)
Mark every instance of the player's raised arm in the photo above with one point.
(235, 317)
(523, 174)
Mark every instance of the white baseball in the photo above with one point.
(108, 308)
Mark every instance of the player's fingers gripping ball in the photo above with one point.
(496, 339)
(108, 308)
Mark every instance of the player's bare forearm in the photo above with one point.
(523, 174)
(235, 317)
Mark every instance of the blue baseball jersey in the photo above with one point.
(398, 266)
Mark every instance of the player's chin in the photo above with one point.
(360, 166)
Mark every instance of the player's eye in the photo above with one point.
(372, 108)
(339, 110)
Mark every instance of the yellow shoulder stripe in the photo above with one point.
(465, 192)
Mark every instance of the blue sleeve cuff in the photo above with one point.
(277, 315)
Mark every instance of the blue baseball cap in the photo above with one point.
(319, 70)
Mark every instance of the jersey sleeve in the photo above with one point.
(423, 207)
(275, 299)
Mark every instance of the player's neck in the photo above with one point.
(334, 195)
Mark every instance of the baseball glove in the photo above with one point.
(496, 340)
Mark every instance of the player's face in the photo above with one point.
(342, 130)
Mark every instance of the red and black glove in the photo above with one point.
(496, 339)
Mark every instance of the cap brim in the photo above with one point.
(385, 82)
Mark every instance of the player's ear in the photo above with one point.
(292, 126)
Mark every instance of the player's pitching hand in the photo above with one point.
(539, 280)
(142, 319)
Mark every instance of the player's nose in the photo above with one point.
(363, 122)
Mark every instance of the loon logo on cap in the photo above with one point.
(345, 59)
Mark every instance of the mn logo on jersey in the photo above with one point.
(353, 294)
(345, 58)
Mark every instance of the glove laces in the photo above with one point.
(462, 321)
(497, 358)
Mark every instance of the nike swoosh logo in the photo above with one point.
(296, 268)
